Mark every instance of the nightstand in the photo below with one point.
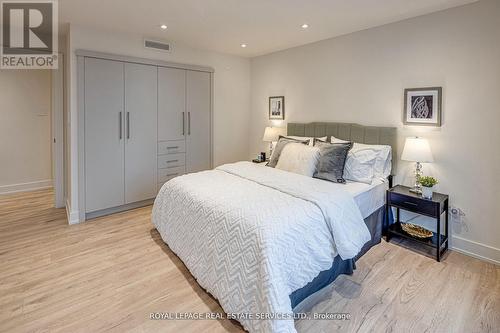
(400, 197)
(258, 162)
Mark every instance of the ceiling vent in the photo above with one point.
(159, 46)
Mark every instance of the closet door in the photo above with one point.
(140, 132)
(171, 104)
(198, 102)
(104, 134)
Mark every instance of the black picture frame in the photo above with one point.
(277, 108)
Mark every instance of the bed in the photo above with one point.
(261, 240)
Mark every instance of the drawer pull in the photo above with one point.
(411, 203)
(172, 161)
(172, 174)
(176, 147)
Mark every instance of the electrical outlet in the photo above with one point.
(457, 217)
(456, 212)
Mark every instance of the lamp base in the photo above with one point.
(417, 188)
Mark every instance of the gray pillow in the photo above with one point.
(319, 140)
(332, 158)
(282, 142)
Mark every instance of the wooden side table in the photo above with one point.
(400, 197)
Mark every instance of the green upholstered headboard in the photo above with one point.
(374, 135)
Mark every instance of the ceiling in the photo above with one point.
(264, 25)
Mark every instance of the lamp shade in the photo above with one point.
(417, 150)
(272, 134)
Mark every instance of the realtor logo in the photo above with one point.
(29, 35)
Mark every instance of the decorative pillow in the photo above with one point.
(336, 140)
(383, 163)
(299, 158)
(311, 140)
(332, 158)
(320, 140)
(359, 166)
(282, 142)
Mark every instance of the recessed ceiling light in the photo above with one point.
(163, 26)
(305, 26)
(243, 45)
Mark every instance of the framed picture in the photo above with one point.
(422, 106)
(277, 107)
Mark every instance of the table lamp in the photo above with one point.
(271, 134)
(417, 150)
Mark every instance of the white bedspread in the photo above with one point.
(252, 235)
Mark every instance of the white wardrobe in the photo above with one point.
(183, 114)
(144, 123)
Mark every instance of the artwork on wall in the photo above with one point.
(422, 106)
(277, 108)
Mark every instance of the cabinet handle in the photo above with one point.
(183, 125)
(189, 123)
(410, 203)
(173, 147)
(120, 125)
(173, 161)
(128, 125)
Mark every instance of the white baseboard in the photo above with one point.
(73, 216)
(26, 187)
(476, 250)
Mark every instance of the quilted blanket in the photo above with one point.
(251, 235)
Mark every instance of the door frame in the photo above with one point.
(57, 132)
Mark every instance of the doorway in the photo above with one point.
(57, 132)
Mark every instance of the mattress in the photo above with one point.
(368, 197)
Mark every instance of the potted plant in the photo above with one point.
(427, 183)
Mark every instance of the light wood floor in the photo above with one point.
(111, 273)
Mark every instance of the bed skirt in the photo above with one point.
(376, 224)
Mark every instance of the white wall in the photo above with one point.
(25, 148)
(231, 89)
(360, 78)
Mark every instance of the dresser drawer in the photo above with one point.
(165, 175)
(171, 147)
(171, 160)
(414, 204)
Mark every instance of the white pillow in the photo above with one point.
(299, 158)
(383, 163)
(359, 166)
(336, 140)
(311, 140)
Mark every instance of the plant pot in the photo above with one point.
(427, 192)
